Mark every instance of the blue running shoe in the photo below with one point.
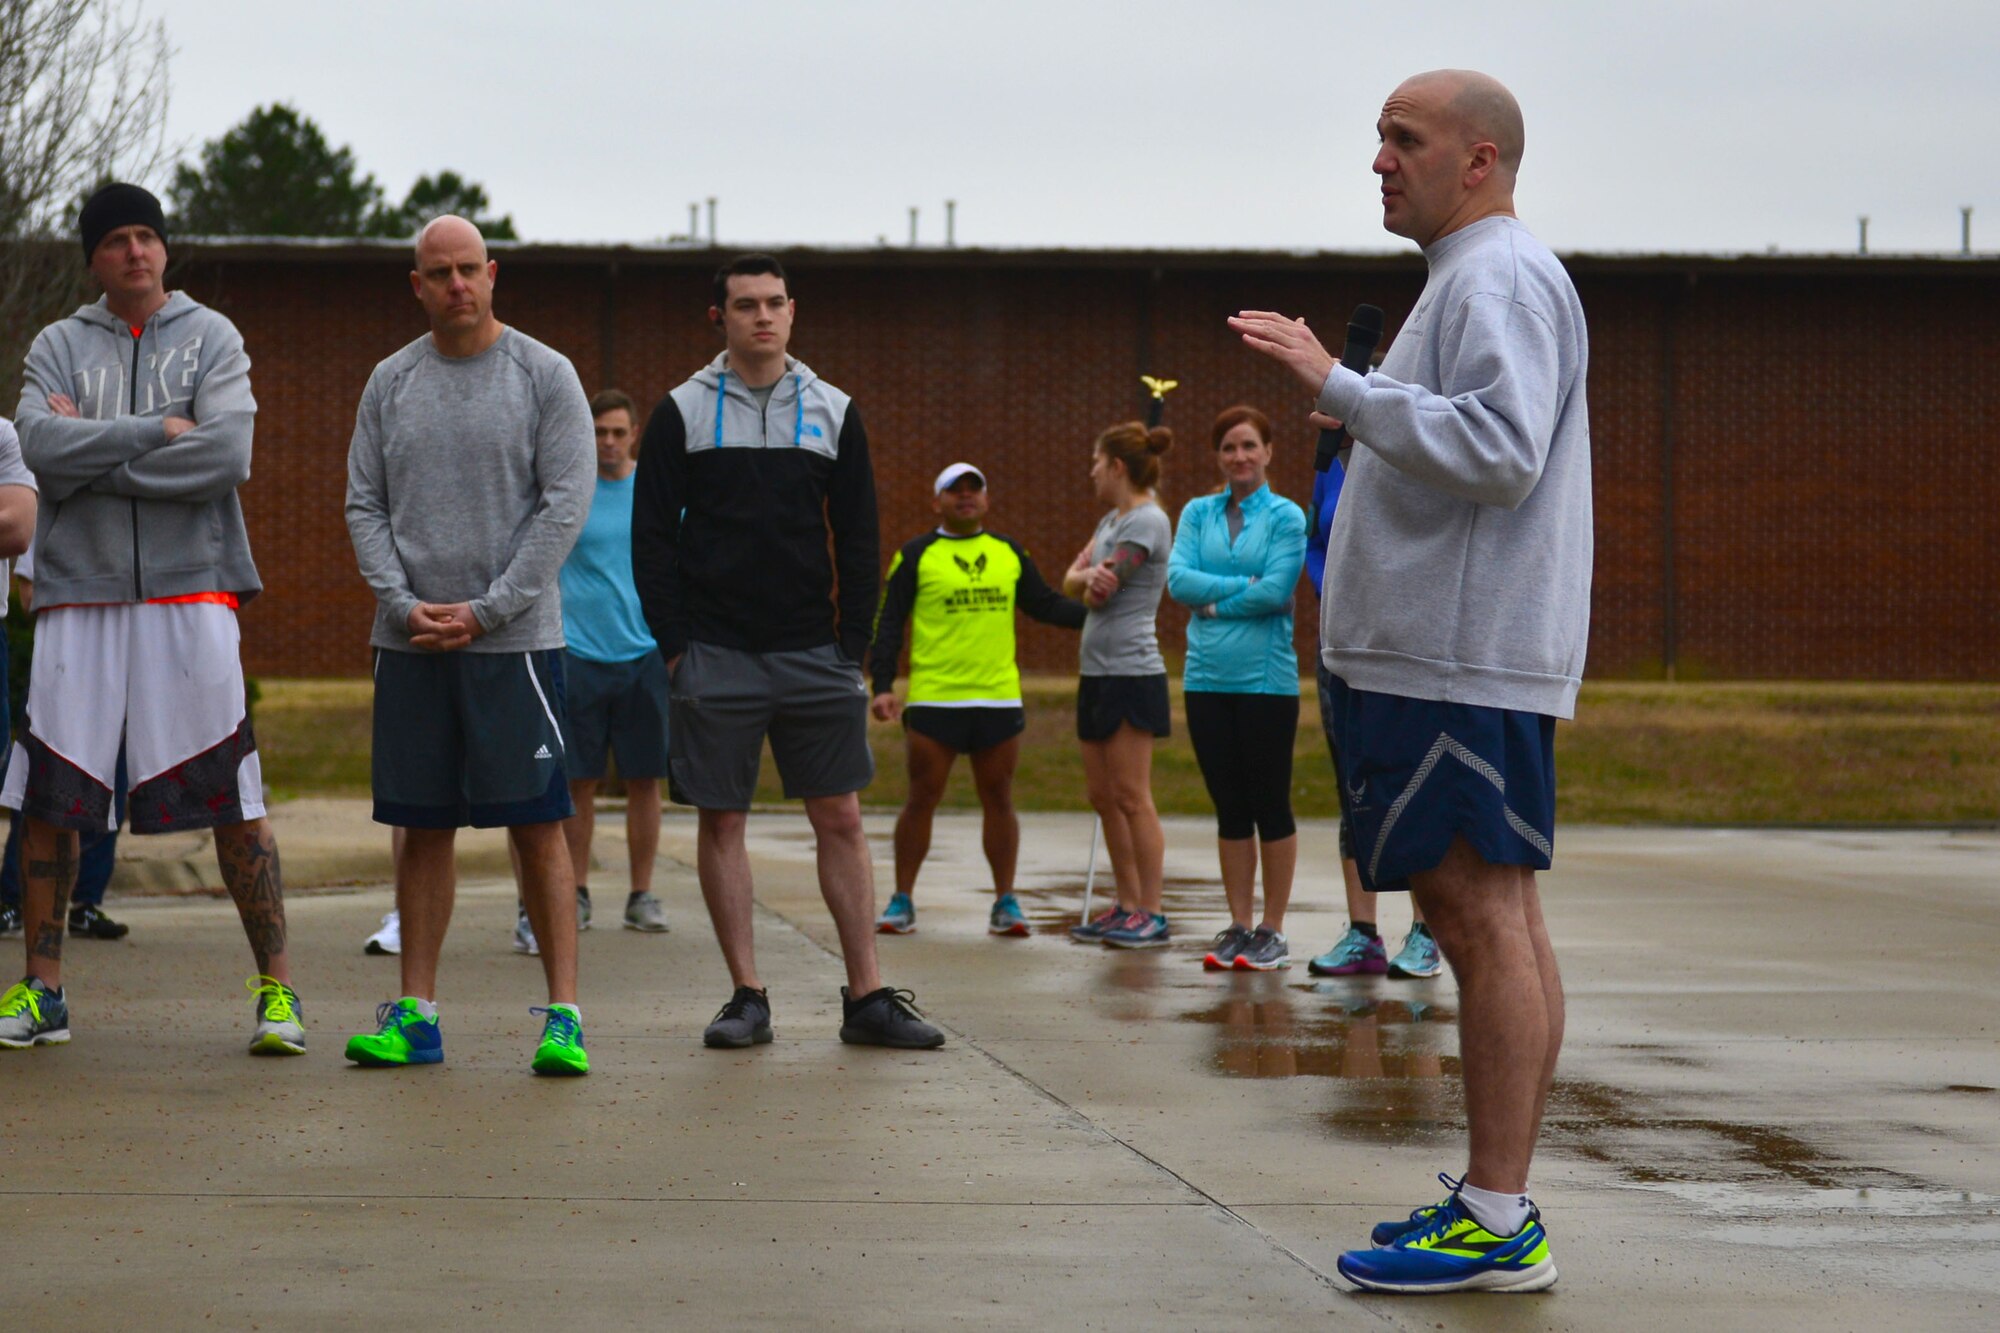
(1352, 953)
(1419, 956)
(1007, 918)
(1093, 930)
(1452, 1252)
(1388, 1233)
(899, 917)
(1140, 930)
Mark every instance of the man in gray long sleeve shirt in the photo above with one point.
(1463, 546)
(468, 480)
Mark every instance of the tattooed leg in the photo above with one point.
(248, 855)
(49, 860)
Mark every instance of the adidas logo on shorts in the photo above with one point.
(542, 752)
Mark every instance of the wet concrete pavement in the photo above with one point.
(1777, 1109)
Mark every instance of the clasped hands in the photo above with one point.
(442, 628)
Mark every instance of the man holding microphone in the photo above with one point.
(1463, 547)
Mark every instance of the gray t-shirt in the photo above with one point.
(1119, 638)
(13, 472)
(468, 481)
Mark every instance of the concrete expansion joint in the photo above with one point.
(1077, 1112)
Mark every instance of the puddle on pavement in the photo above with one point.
(1269, 1029)
(1394, 1070)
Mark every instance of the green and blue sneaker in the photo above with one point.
(404, 1037)
(280, 1018)
(1452, 1252)
(33, 1015)
(899, 917)
(1007, 917)
(561, 1051)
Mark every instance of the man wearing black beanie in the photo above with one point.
(117, 206)
(136, 418)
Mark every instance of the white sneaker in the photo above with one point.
(524, 936)
(389, 939)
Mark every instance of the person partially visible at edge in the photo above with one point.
(1464, 557)
(97, 849)
(136, 418)
(617, 679)
(1235, 565)
(746, 471)
(1121, 690)
(957, 587)
(17, 531)
(467, 482)
(1360, 949)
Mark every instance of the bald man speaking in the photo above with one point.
(1460, 556)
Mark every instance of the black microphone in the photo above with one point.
(1364, 330)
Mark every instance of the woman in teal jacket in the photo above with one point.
(1236, 560)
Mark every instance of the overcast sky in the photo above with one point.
(1709, 125)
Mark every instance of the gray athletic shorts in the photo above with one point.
(811, 703)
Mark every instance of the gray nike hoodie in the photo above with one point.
(125, 515)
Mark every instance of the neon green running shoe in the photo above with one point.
(280, 1018)
(405, 1037)
(561, 1051)
(33, 1015)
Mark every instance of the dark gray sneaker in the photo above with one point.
(1265, 952)
(744, 1021)
(886, 1017)
(1222, 950)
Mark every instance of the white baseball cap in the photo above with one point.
(953, 473)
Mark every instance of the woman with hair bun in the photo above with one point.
(1235, 564)
(1121, 698)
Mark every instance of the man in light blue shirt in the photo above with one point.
(617, 682)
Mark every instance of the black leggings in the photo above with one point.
(1244, 745)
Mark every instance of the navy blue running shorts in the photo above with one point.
(469, 738)
(1419, 773)
(617, 709)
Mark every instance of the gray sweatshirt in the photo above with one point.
(126, 516)
(467, 481)
(1463, 537)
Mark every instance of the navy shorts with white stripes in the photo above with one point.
(470, 738)
(1420, 773)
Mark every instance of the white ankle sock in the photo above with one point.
(428, 1008)
(1501, 1214)
(576, 1011)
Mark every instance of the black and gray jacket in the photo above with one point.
(125, 515)
(731, 513)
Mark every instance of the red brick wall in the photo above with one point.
(1834, 504)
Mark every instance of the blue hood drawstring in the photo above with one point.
(798, 407)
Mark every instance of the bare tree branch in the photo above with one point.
(83, 99)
